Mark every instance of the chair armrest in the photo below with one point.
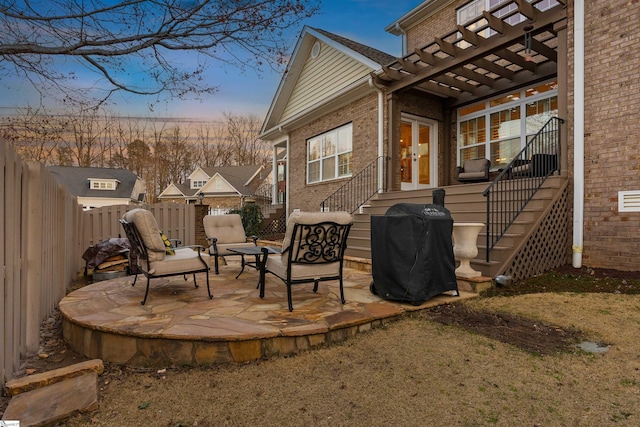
(175, 242)
(214, 241)
(254, 239)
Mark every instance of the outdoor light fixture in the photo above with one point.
(527, 42)
(200, 197)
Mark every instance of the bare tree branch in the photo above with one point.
(124, 40)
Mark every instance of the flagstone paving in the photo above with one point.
(180, 325)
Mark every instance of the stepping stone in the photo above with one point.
(52, 396)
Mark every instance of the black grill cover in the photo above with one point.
(412, 253)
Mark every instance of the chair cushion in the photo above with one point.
(475, 165)
(226, 228)
(278, 266)
(185, 259)
(471, 175)
(148, 228)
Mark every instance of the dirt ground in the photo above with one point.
(507, 358)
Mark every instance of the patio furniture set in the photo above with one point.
(312, 250)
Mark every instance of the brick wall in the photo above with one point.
(612, 130)
(363, 113)
(439, 24)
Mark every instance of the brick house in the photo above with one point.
(221, 187)
(511, 81)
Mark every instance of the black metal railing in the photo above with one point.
(359, 189)
(519, 181)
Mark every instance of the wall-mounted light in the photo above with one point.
(200, 197)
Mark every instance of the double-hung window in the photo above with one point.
(329, 155)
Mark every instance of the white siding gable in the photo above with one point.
(198, 175)
(218, 184)
(322, 77)
(171, 190)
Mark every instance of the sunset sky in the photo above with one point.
(360, 20)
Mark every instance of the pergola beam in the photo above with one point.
(527, 9)
(476, 54)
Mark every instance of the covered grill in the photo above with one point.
(412, 253)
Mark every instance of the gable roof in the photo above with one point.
(76, 181)
(377, 56)
(239, 177)
(368, 58)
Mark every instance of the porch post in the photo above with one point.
(445, 151)
(274, 175)
(393, 144)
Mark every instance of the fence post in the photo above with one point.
(33, 263)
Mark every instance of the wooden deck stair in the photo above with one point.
(466, 204)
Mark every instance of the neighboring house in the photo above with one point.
(478, 79)
(221, 187)
(97, 187)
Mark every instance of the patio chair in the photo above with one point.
(474, 170)
(225, 232)
(153, 261)
(312, 251)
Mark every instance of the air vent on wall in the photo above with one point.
(629, 201)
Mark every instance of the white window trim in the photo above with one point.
(522, 101)
(103, 184)
(486, 6)
(194, 184)
(336, 155)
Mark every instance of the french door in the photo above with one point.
(418, 153)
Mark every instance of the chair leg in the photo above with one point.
(208, 288)
(134, 280)
(341, 291)
(215, 257)
(146, 292)
(289, 296)
(315, 286)
(194, 280)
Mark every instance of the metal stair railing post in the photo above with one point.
(359, 189)
(516, 184)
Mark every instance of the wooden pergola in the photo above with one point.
(485, 56)
(508, 47)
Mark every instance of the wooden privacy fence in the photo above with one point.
(43, 234)
(40, 230)
(176, 220)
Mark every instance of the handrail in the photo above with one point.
(359, 189)
(518, 182)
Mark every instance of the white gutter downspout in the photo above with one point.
(578, 134)
(380, 135)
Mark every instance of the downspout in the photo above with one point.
(381, 161)
(578, 134)
(404, 38)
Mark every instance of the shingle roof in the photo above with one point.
(236, 176)
(368, 51)
(76, 181)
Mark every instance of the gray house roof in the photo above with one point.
(76, 181)
(238, 176)
(372, 53)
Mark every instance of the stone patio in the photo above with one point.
(180, 325)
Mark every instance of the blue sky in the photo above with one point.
(251, 93)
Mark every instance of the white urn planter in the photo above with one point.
(465, 236)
